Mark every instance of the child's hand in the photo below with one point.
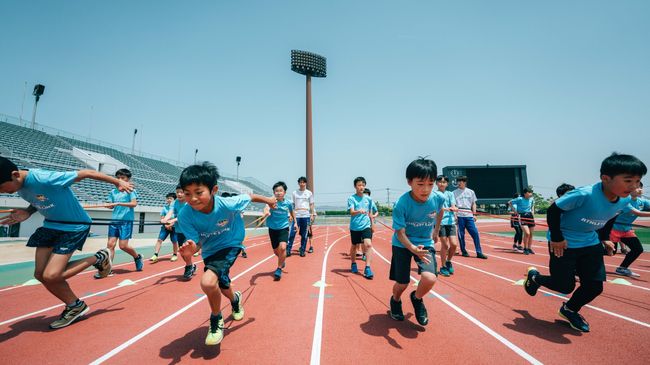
(557, 248)
(124, 186)
(422, 253)
(609, 248)
(110, 205)
(17, 216)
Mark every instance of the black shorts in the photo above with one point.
(514, 221)
(585, 262)
(220, 264)
(63, 242)
(277, 236)
(357, 237)
(400, 264)
(527, 219)
(447, 230)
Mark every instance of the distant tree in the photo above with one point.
(541, 204)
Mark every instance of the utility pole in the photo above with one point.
(388, 196)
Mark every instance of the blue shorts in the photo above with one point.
(122, 231)
(164, 233)
(220, 264)
(63, 242)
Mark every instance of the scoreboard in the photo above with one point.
(491, 183)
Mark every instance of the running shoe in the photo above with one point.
(396, 310)
(277, 274)
(353, 268)
(69, 315)
(189, 271)
(444, 271)
(138, 263)
(237, 307)
(311, 249)
(103, 265)
(450, 267)
(420, 310)
(368, 273)
(154, 259)
(215, 332)
(576, 321)
(624, 271)
(529, 284)
(174, 258)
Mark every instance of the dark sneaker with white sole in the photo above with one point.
(529, 284)
(420, 310)
(396, 310)
(69, 315)
(576, 321)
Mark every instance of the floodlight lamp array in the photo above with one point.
(308, 63)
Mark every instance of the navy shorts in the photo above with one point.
(400, 264)
(277, 236)
(180, 238)
(64, 242)
(357, 237)
(447, 230)
(122, 231)
(164, 233)
(527, 219)
(220, 264)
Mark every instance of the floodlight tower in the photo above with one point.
(309, 64)
(38, 91)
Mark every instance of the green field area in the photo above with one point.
(643, 234)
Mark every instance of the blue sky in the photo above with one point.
(555, 85)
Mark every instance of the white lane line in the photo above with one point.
(133, 340)
(318, 326)
(482, 326)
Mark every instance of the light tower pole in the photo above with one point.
(309, 64)
(38, 91)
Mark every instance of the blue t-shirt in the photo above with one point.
(417, 218)
(279, 218)
(164, 210)
(121, 212)
(624, 221)
(50, 193)
(523, 205)
(586, 209)
(360, 222)
(219, 229)
(176, 208)
(449, 218)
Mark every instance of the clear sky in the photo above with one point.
(555, 85)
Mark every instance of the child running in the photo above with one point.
(172, 221)
(514, 224)
(448, 243)
(414, 237)
(215, 225)
(278, 224)
(49, 193)
(523, 207)
(576, 247)
(360, 207)
(166, 231)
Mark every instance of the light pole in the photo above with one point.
(38, 91)
(238, 160)
(309, 64)
(135, 131)
(195, 152)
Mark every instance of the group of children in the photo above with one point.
(201, 220)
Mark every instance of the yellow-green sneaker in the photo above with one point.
(215, 332)
(154, 259)
(174, 258)
(237, 307)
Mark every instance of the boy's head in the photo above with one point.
(359, 185)
(638, 191)
(199, 183)
(279, 189)
(10, 181)
(366, 191)
(442, 182)
(563, 189)
(621, 174)
(169, 198)
(180, 195)
(516, 196)
(527, 192)
(420, 175)
(226, 194)
(462, 182)
(123, 174)
(302, 182)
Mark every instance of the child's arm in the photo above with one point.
(271, 201)
(267, 211)
(18, 215)
(132, 204)
(639, 213)
(436, 230)
(121, 185)
(553, 219)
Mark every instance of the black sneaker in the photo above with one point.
(69, 315)
(576, 321)
(480, 255)
(465, 254)
(396, 310)
(311, 249)
(420, 310)
(189, 271)
(288, 253)
(529, 284)
(243, 254)
(302, 253)
(531, 252)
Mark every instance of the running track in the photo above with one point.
(479, 315)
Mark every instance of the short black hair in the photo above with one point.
(516, 196)
(360, 178)
(462, 178)
(171, 195)
(6, 168)
(563, 189)
(442, 177)
(123, 172)
(421, 168)
(619, 164)
(301, 179)
(527, 190)
(280, 183)
(204, 174)
(225, 194)
(366, 191)
(179, 187)
(640, 184)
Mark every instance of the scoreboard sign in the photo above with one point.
(490, 182)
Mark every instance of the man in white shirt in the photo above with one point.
(303, 206)
(466, 203)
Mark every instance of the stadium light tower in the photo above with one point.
(309, 64)
(38, 91)
(238, 160)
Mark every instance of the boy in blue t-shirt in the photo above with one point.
(278, 225)
(166, 231)
(516, 225)
(373, 214)
(523, 207)
(575, 222)
(171, 220)
(64, 230)
(448, 234)
(360, 207)
(215, 225)
(414, 237)
(121, 228)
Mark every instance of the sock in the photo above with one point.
(215, 317)
(155, 254)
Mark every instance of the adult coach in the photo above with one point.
(466, 203)
(303, 205)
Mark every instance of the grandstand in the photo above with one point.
(52, 149)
